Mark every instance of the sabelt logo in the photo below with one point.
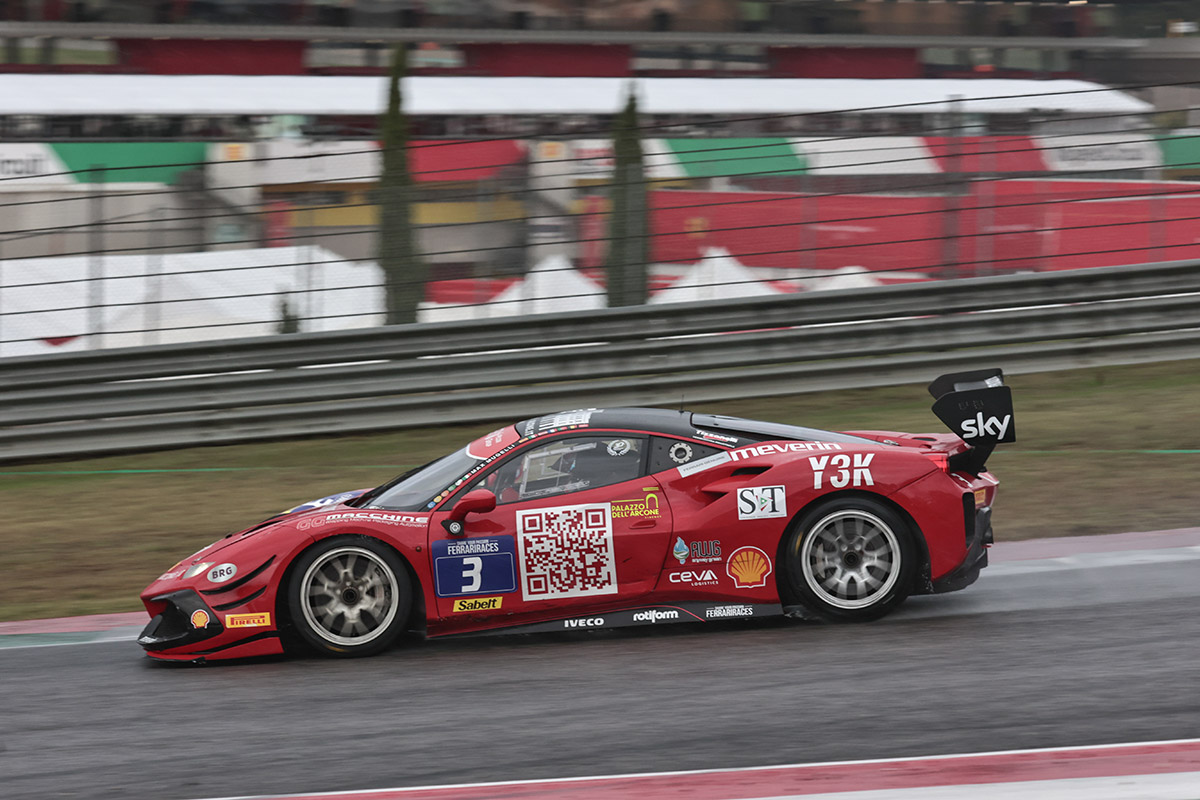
(587, 622)
(654, 615)
(260, 620)
(478, 604)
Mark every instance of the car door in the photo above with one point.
(577, 524)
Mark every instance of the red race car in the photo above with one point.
(602, 518)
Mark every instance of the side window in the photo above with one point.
(567, 465)
(668, 453)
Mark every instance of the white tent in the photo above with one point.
(854, 277)
(552, 285)
(717, 275)
(851, 277)
(79, 302)
(459, 95)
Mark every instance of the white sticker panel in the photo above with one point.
(566, 551)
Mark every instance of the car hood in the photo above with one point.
(330, 500)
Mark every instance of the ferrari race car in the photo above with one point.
(603, 518)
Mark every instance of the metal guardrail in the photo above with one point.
(418, 375)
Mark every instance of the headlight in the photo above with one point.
(196, 569)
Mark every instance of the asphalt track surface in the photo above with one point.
(1088, 650)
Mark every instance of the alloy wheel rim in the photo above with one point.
(350, 596)
(850, 559)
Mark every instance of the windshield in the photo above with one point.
(414, 490)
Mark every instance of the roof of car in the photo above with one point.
(675, 422)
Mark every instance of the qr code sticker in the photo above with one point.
(566, 551)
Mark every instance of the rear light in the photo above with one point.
(940, 459)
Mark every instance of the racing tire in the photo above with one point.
(850, 560)
(348, 596)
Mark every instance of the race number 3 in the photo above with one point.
(472, 574)
(485, 565)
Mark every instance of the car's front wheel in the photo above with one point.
(349, 596)
(850, 559)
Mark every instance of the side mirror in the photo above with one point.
(479, 501)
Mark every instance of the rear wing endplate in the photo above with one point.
(977, 406)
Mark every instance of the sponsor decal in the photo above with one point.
(331, 500)
(708, 462)
(647, 506)
(703, 577)
(22, 167)
(980, 496)
(654, 615)
(722, 612)
(702, 552)
(199, 618)
(681, 452)
(484, 565)
(221, 573)
(843, 470)
(478, 604)
(564, 420)
(680, 550)
(749, 567)
(761, 502)
(741, 454)
(382, 517)
(699, 552)
(586, 622)
(715, 437)
(473, 547)
(980, 426)
(260, 620)
(566, 551)
(488, 446)
(171, 575)
(619, 447)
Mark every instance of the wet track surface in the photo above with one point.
(1078, 651)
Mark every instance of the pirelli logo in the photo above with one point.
(262, 620)
(478, 604)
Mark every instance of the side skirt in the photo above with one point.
(641, 615)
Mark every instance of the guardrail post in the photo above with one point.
(95, 328)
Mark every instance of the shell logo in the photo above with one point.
(199, 618)
(749, 567)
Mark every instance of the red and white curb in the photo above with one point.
(1146, 771)
(88, 624)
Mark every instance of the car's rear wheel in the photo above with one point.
(850, 559)
(349, 596)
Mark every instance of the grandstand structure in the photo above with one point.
(799, 138)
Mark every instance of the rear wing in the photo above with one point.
(978, 407)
